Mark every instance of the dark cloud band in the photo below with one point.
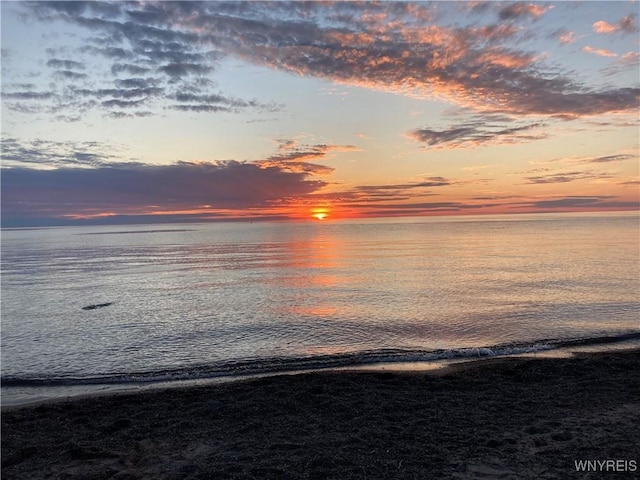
(143, 189)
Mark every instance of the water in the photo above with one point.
(204, 300)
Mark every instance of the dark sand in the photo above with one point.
(507, 418)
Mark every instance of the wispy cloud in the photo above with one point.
(392, 198)
(610, 158)
(151, 66)
(564, 36)
(522, 10)
(628, 61)
(65, 64)
(411, 209)
(566, 177)
(479, 131)
(579, 202)
(404, 188)
(473, 168)
(602, 52)
(48, 154)
(294, 157)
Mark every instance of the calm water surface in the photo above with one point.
(210, 299)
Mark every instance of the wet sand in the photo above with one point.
(513, 418)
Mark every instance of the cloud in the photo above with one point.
(134, 83)
(129, 91)
(426, 182)
(129, 68)
(628, 61)
(122, 103)
(47, 153)
(599, 51)
(624, 25)
(145, 95)
(631, 58)
(64, 69)
(136, 114)
(609, 158)
(395, 191)
(493, 33)
(113, 53)
(617, 157)
(433, 137)
(565, 177)
(28, 95)
(217, 103)
(385, 200)
(158, 62)
(140, 189)
(564, 36)
(479, 131)
(392, 201)
(364, 198)
(69, 75)
(411, 209)
(576, 201)
(395, 47)
(472, 168)
(431, 61)
(44, 182)
(293, 157)
(181, 69)
(65, 64)
(520, 10)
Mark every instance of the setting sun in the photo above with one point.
(320, 213)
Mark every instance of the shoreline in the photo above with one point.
(511, 417)
(29, 396)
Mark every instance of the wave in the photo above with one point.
(246, 367)
(126, 232)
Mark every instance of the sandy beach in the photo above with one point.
(514, 418)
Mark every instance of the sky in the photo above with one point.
(139, 112)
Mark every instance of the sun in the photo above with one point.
(319, 213)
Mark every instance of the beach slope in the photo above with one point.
(512, 418)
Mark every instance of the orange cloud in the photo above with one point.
(521, 10)
(604, 27)
(599, 51)
(518, 10)
(567, 38)
(506, 59)
(624, 25)
(427, 61)
(630, 57)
